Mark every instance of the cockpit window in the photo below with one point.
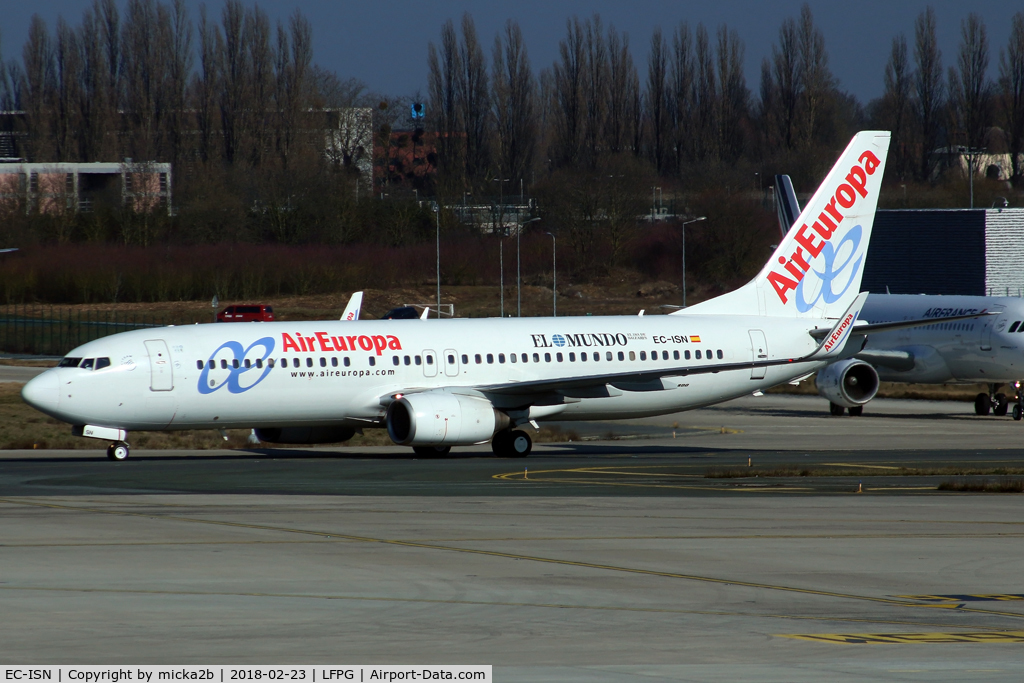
(102, 363)
(88, 363)
(1014, 326)
(69, 363)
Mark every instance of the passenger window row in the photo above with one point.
(309, 363)
(585, 356)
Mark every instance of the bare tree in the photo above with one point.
(513, 104)
(1011, 86)
(968, 87)
(473, 101)
(568, 77)
(787, 78)
(595, 88)
(896, 101)
(681, 96)
(444, 67)
(207, 84)
(705, 97)
(181, 61)
(260, 56)
(928, 85)
(235, 78)
(294, 56)
(816, 79)
(37, 89)
(68, 65)
(622, 85)
(733, 97)
(657, 99)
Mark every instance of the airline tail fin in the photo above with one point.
(786, 203)
(354, 305)
(816, 270)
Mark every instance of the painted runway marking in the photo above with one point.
(907, 638)
(967, 597)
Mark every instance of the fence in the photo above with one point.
(53, 331)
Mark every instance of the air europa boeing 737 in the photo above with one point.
(434, 384)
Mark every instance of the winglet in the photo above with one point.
(834, 342)
(354, 304)
(426, 313)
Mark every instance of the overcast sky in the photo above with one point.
(384, 42)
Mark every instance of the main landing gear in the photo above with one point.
(118, 451)
(995, 402)
(512, 443)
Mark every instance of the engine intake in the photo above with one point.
(848, 383)
(305, 435)
(436, 419)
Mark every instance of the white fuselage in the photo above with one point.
(345, 373)
(981, 350)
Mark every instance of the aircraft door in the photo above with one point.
(451, 362)
(987, 323)
(430, 361)
(759, 350)
(161, 373)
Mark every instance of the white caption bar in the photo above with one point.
(249, 674)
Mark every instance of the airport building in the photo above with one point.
(60, 187)
(976, 252)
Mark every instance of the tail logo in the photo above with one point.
(830, 272)
(815, 240)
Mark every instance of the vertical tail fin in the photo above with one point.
(816, 270)
(355, 303)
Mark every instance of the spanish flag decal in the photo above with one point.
(695, 338)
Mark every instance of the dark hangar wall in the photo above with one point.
(926, 252)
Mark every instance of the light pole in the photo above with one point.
(437, 212)
(683, 230)
(519, 290)
(554, 278)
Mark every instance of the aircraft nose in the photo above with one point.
(42, 392)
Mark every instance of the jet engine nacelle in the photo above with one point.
(435, 419)
(305, 435)
(848, 383)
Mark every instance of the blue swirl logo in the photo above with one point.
(826, 291)
(239, 379)
(558, 340)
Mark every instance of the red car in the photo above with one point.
(257, 313)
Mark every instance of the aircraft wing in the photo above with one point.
(897, 359)
(355, 303)
(870, 328)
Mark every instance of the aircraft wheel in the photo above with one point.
(982, 404)
(118, 451)
(520, 444)
(1001, 405)
(836, 409)
(501, 444)
(1018, 412)
(431, 451)
(856, 411)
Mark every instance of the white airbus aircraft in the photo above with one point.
(438, 383)
(984, 350)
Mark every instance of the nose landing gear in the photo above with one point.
(993, 401)
(118, 451)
